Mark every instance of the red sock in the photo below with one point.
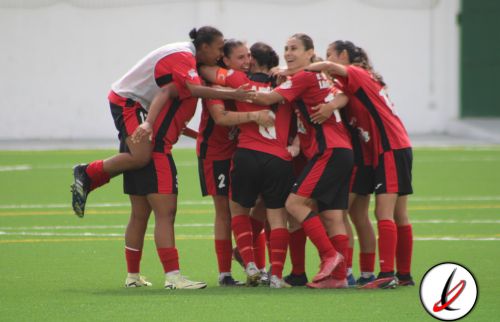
(404, 249)
(169, 259)
(279, 244)
(348, 260)
(133, 258)
(298, 251)
(314, 229)
(387, 239)
(341, 244)
(95, 171)
(259, 243)
(224, 251)
(242, 230)
(367, 262)
(267, 233)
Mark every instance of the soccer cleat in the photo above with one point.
(363, 280)
(327, 266)
(136, 281)
(80, 189)
(265, 277)
(177, 281)
(329, 283)
(405, 280)
(229, 281)
(296, 280)
(237, 257)
(383, 281)
(253, 274)
(276, 282)
(351, 281)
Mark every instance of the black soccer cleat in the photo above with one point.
(296, 280)
(80, 189)
(229, 281)
(383, 281)
(405, 280)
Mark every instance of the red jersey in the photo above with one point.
(372, 113)
(306, 90)
(215, 142)
(271, 140)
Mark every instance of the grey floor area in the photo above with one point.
(469, 132)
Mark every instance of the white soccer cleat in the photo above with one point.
(136, 280)
(276, 282)
(177, 281)
(253, 274)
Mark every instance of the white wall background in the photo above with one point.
(58, 58)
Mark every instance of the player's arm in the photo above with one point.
(267, 99)
(294, 148)
(328, 67)
(238, 94)
(230, 118)
(157, 104)
(324, 111)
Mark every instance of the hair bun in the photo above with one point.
(193, 34)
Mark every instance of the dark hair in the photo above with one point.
(229, 45)
(204, 35)
(264, 55)
(357, 56)
(306, 41)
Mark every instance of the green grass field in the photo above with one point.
(57, 267)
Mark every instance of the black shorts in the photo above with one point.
(325, 179)
(254, 173)
(393, 173)
(127, 114)
(362, 180)
(159, 176)
(214, 176)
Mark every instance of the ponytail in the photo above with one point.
(204, 35)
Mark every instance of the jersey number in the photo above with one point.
(388, 102)
(221, 178)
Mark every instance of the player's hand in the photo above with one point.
(264, 118)
(321, 114)
(293, 150)
(244, 93)
(143, 130)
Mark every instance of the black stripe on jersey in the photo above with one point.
(163, 80)
(260, 78)
(361, 95)
(355, 139)
(165, 124)
(203, 180)
(320, 136)
(206, 135)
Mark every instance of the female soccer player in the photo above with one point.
(325, 179)
(389, 149)
(261, 166)
(215, 147)
(132, 96)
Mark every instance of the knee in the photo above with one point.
(290, 205)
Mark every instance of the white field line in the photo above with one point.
(187, 237)
(197, 225)
(209, 202)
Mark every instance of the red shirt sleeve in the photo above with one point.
(355, 77)
(293, 87)
(179, 68)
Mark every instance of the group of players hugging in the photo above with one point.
(286, 154)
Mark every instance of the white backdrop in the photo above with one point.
(60, 57)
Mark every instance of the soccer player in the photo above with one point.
(261, 166)
(131, 97)
(390, 151)
(324, 181)
(215, 147)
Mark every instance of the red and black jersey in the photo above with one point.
(306, 90)
(215, 142)
(372, 113)
(272, 140)
(171, 63)
(171, 121)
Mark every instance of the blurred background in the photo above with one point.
(440, 58)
